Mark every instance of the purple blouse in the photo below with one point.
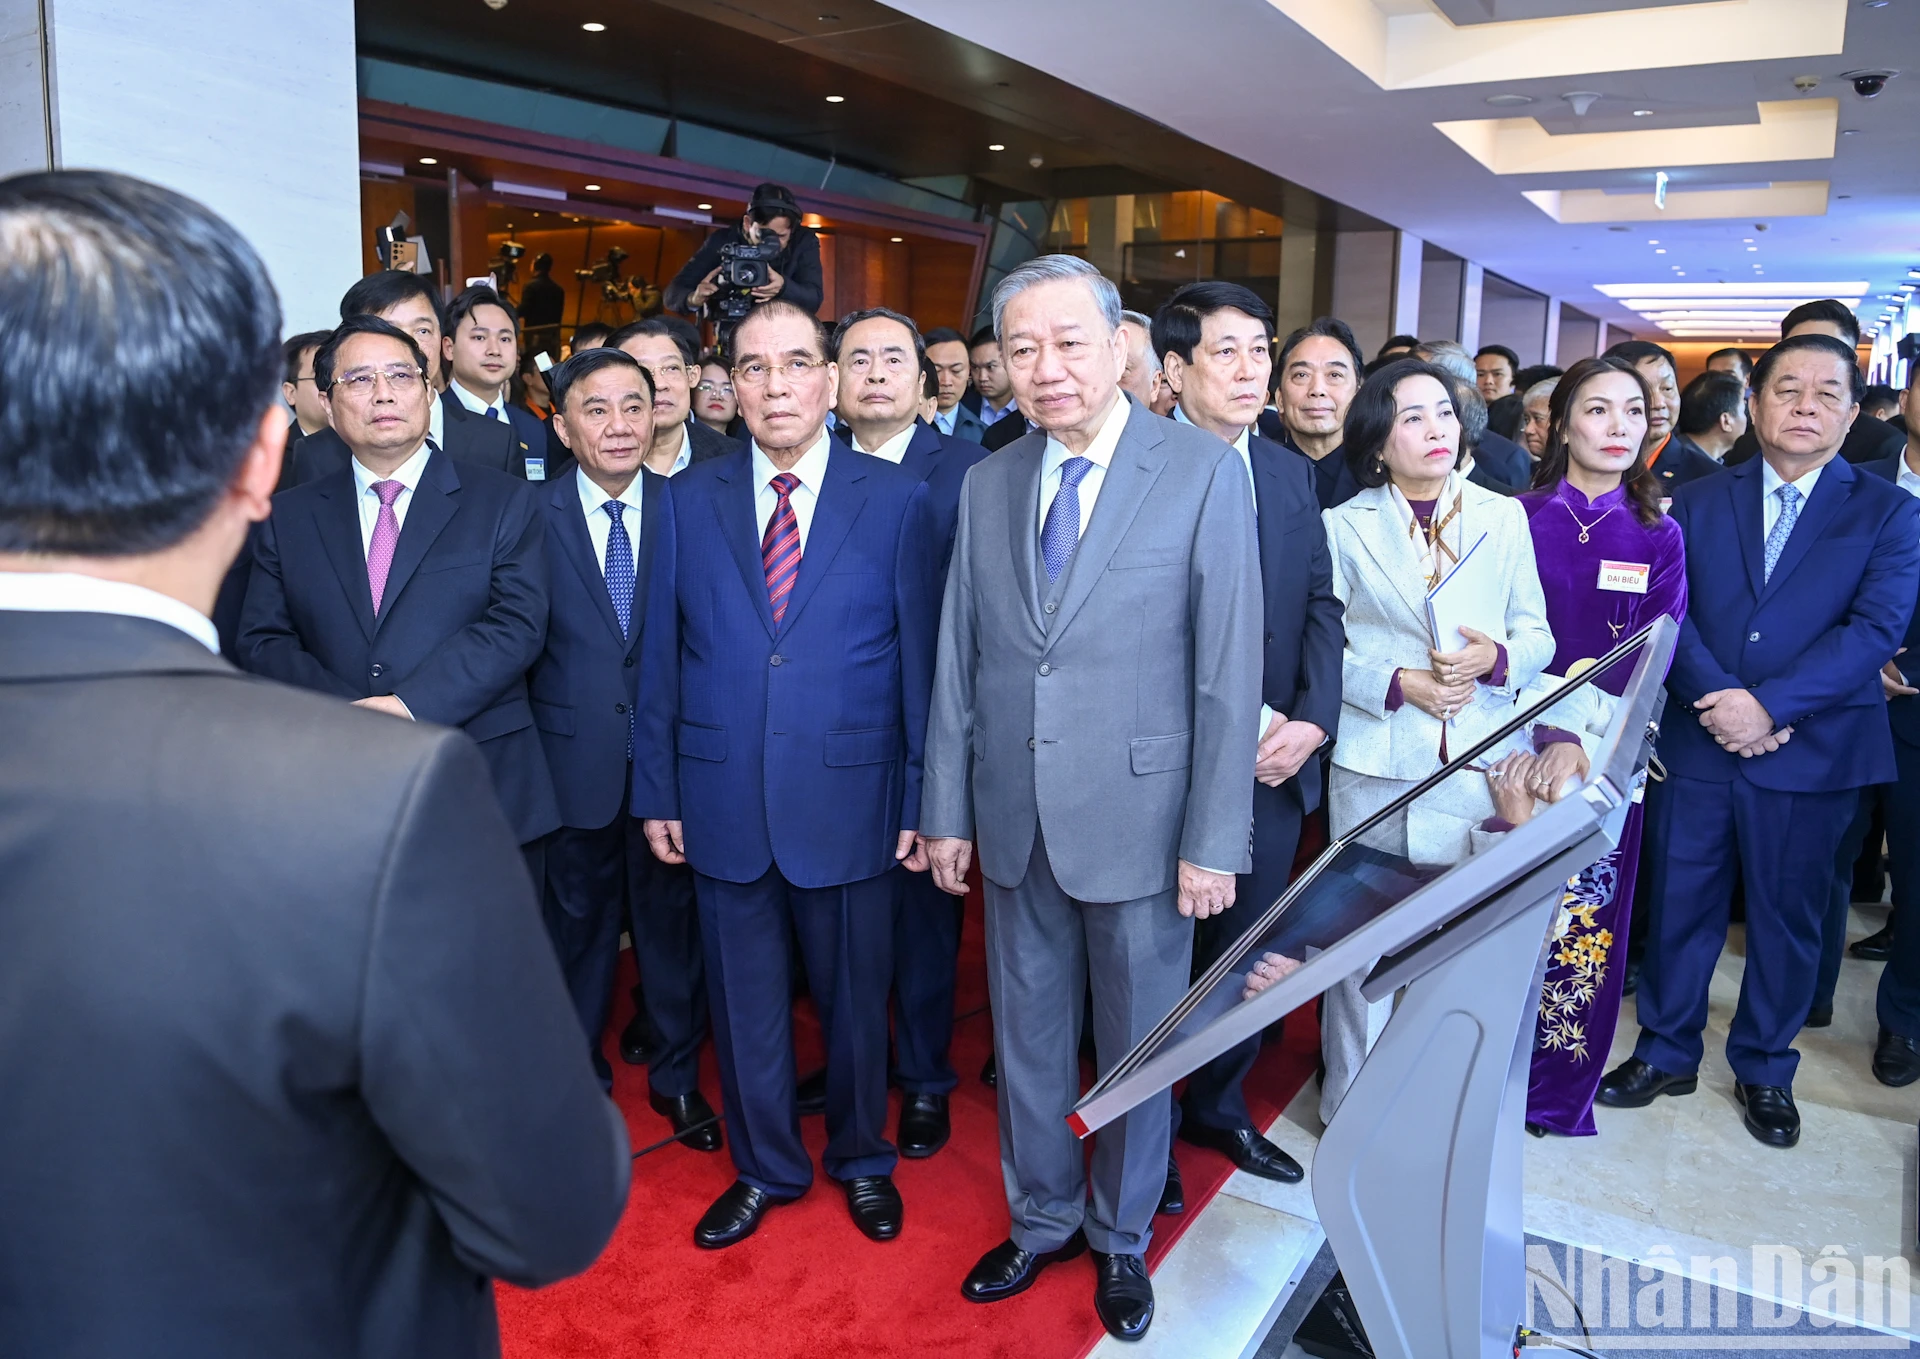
(1587, 620)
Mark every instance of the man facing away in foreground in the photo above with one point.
(289, 1067)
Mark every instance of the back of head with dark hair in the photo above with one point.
(561, 377)
(479, 295)
(1535, 373)
(656, 325)
(297, 345)
(1827, 309)
(1396, 342)
(142, 349)
(1707, 398)
(984, 335)
(1176, 326)
(1741, 356)
(854, 318)
(590, 335)
(387, 288)
(1329, 327)
(365, 323)
(929, 378)
(1879, 397)
(944, 335)
(1640, 351)
(1513, 359)
(1370, 417)
(1840, 349)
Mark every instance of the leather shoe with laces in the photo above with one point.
(1247, 1149)
(692, 1117)
(733, 1216)
(1896, 1060)
(1634, 1085)
(1006, 1269)
(874, 1205)
(1876, 947)
(1122, 1295)
(1173, 1198)
(924, 1125)
(1771, 1116)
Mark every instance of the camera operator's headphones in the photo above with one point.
(773, 200)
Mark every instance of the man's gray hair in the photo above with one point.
(1140, 319)
(1454, 360)
(1056, 269)
(1542, 389)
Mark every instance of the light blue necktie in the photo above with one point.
(620, 584)
(1783, 526)
(1060, 535)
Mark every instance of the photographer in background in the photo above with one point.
(793, 274)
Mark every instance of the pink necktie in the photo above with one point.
(386, 535)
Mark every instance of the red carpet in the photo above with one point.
(807, 1285)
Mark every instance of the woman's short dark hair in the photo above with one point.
(1840, 349)
(362, 323)
(141, 350)
(1370, 417)
(1643, 489)
(561, 377)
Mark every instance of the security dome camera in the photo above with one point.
(1868, 84)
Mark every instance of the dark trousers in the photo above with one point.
(1214, 1097)
(926, 962)
(1833, 925)
(1899, 998)
(598, 880)
(846, 941)
(1784, 845)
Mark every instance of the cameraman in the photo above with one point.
(794, 275)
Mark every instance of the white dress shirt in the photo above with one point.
(684, 458)
(1908, 480)
(1099, 453)
(407, 474)
(812, 471)
(480, 408)
(71, 592)
(436, 419)
(1770, 482)
(944, 420)
(893, 450)
(1242, 446)
(599, 523)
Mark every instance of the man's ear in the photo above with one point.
(1174, 368)
(259, 471)
(560, 428)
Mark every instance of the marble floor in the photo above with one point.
(1669, 1188)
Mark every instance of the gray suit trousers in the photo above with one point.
(1041, 946)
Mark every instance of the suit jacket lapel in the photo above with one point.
(429, 511)
(834, 510)
(1829, 493)
(1137, 464)
(1269, 502)
(338, 519)
(1749, 521)
(653, 491)
(738, 527)
(570, 530)
(1381, 535)
(1023, 528)
(923, 452)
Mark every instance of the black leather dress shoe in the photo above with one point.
(1634, 1085)
(1247, 1149)
(1771, 1116)
(990, 1072)
(636, 1045)
(1173, 1198)
(1006, 1269)
(1876, 947)
(693, 1119)
(924, 1125)
(734, 1216)
(874, 1205)
(1122, 1295)
(1819, 1017)
(1896, 1060)
(811, 1093)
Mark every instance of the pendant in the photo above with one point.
(1583, 535)
(1614, 628)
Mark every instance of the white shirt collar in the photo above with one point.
(1100, 451)
(1907, 478)
(472, 402)
(407, 473)
(894, 449)
(592, 496)
(684, 458)
(1771, 481)
(811, 469)
(72, 592)
(1242, 445)
(437, 422)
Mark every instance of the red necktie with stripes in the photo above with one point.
(780, 546)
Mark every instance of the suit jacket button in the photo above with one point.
(1753, 637)
(628, 662)
(1030, 743)
(1045, 669)
(775, 660)
(377, 670)
(1052, 607)
(620, 707)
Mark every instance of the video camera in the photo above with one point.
(606, 274)
(744, 266)
(506, 264)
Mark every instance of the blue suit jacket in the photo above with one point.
(941, 461)
(587, 680)
(797, 746)
(1902, 713)
(1810, 641)
(463, 616)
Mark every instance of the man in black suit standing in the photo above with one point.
(482, 351)
(1213, 339)
(347, 1088)
(673, 366)
(407, 582)
(609, 546)
(1320, 369)
(408, 302)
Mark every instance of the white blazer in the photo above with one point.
(1379, 578)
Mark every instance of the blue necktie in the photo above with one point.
(1783, 526)
(493, 414)
(620, 584)
(1060, 535)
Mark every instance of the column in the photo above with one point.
(1109, 232)
(1550, 342)
(1472, 290)
(249, 107)
(1405, 318)
(1301, 247)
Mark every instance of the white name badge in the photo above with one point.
(537, 471)
(1666, 504)
(1627, 577)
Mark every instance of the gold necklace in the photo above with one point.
(1585, 529)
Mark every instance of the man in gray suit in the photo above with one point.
(1095, 713)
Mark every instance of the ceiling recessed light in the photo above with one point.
(996, 146)
(1651, 241)
(836, 99)
(428, 160)
(1679, 273)
(1752, 249)
(594, 28)
(593, 188)
(1509, 100)
(1643, 113)
(1660, 252)
(704, 207)
(896, 239)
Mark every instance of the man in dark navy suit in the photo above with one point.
(780, 756)
(1320, 369)
(408, 583)
(1802, 571)
(482, 352)
(1212, 339)
(879, 354)
(673, 365)
(1673, 459)
(1869, 440)
(953, 417)
(610, 551)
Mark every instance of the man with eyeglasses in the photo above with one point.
(679, 440)
(407, 582)
(780, 757)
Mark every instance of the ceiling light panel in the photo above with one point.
(1618, 290)
(1799, 129)
(1793, 198)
